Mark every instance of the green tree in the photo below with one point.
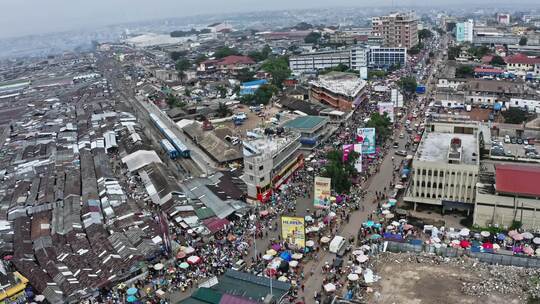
(223, 110)
(453, 52)
(424, 34)
(303, 26)
(340, 172)
(245, 75)
(464, 71)
(200, 58)
(313, 37)
(182, 65)
(372, 74)
(278, 67)
(497, 60)
(264, 93)
(478, 52)
(382, 126)
(176, 55)
(222, 91)
(261, 55)
(339, 68)
(523, 41)
(225, 51)
(408, 84)
(173, 101)
(515, 115)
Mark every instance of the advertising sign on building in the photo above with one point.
(293, 230)
(366, 137)
(388, 108)
(322, 192)
(347, 149)
(358, 162)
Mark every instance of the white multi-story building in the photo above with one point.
(446, 164)
(356, 58)
(268, 162)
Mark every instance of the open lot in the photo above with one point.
(413, 282)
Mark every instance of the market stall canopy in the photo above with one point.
(158, 266)
(310, 243)
(325, 239)
(329, 287)
(353, 277)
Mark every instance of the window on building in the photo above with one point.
(250, 167)
(262, 179)
(251, 177)
(261, 167)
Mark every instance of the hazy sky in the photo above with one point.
(24, 17)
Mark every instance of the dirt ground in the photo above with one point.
(426, 284)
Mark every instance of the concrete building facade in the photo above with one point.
(268, 162)
(397, 29)
(340, 90)
(465, 31)
(445, 166)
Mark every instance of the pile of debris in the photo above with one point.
(519, 281)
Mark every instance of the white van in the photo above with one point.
(336, 244)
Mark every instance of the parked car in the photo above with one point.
(401, 152)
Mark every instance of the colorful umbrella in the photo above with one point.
(368, 224)
(189, 250)
(464, 244)
(181, 255)
(158, 266)
(325, 239)
(131, 299)
(518, 237)
(293, 263)
(184, 265)
(193, 259)
(362, 258)
(310, 243)
(132, 291)
(353, 277)
(297, 256)
(527, 235)
(485, 233)
(375, 236)
(487, 245)
(536, 240)
(501, 237)
(271, 252)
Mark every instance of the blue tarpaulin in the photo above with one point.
(286, 256)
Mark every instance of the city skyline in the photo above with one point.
(32, 17)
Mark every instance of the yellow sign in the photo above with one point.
(322, 193)
(293, 230)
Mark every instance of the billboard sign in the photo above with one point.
(388, 108)
(322, 192)
(366, 137)
(293, 231)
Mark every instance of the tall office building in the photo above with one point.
(464, 31)
(397, 29)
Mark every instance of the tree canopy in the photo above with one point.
(408, 84)
(515, 115)
(339, 68)
(497, 60)
(262, 95)
(223, 110)
(382, 125)
(464, 71)
(278, 67)
(478, 51)
(313, 37)
(453, 52)
(175, 55)
(340, 172)
(261, 55)
(424, 34)
(225, 51)
(182, 64)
